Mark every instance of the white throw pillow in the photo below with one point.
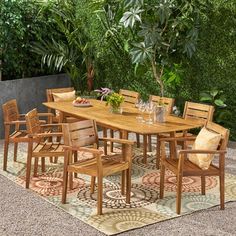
(205, 140)
(63, 97)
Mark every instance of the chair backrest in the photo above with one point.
(10, 111)
(81, 133)
(130, 96)
(202, 112)
(219, 130)
(168, 102)
(32, 122)
(57, 90)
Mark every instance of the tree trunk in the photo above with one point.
(90, 77)
(157, 77)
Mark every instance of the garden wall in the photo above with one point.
(29, 92)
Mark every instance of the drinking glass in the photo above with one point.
(150, 110)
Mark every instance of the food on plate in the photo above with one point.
(80, 100)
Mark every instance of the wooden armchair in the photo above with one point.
(58, 118)
(13, 119)
(192, 111)
(40, 142)
(131, 97)
(83, 133)
(182, 166)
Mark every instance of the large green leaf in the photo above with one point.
(140, 52)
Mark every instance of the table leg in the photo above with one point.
(145, 148)
(124, 135)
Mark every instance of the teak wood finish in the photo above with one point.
(40, 142)
(84, 133)
(131, 98)
(182, 167)
(12, 118)
(126, 122)
(202, 113)
(49, 93)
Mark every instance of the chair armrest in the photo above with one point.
(15, 122)
(45, 135)
(198, 151)
(114, 140)
(52, 125)
(45, 114)
(83, 149)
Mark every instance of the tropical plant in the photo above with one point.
(73, 51)
(216, 98)
(160, 29)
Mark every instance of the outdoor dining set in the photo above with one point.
(94, 129)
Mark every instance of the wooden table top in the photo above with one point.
(126, 121)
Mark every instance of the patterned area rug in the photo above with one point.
(145, 207)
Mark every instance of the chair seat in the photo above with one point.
(190, 169)
(49, 148)
(90, 166)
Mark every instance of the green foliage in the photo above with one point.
(217, 98)
(114, 100)
(160, 29)
(20, 25)
(214, 63)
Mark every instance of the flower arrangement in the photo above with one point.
(103, 92)
(115, 100)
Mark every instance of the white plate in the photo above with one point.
(82, 104)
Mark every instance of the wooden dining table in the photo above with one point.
(125, 122)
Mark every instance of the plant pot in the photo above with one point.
(116, 110)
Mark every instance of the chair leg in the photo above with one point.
(100, 192)
(145, 149)
(203, 185)
(64, 188)
(112, 136)
(138, 140)
(28, 164)
(128, 185)
(105, 143)
(222, 191)
(149, 143)
(178, 193)
(75, 160)
(93, 181)
(15, 151)
(36, 163)
(6, 146)
(123, 177)
(43, 164)
(162, 180)
(70, 180)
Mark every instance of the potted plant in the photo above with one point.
(115, 100)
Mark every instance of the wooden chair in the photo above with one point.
(49, 92)
(83, 133)
(40, 142)
(131, 97)
(182, 167)
(168, 102)
(192, 111)
(12, 118)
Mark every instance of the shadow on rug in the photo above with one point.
(145, 207)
